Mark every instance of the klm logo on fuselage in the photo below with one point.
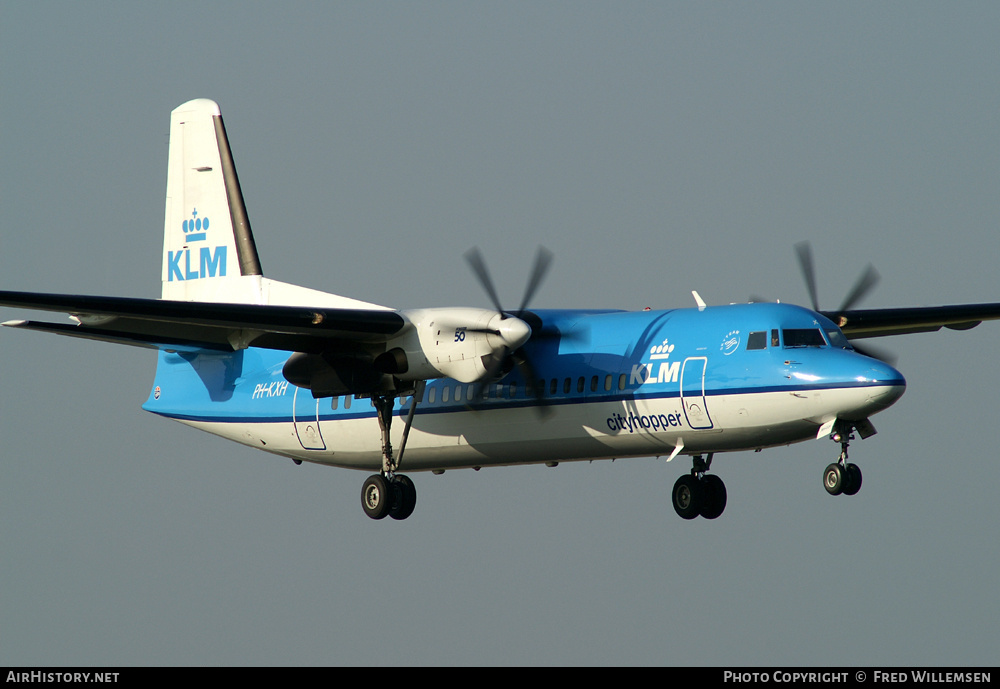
(667, 371)
(208, 262)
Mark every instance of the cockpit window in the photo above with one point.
(794, 337)
(757, 340)
(838, 339)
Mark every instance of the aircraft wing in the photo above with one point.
(164, 324)
(862, 323)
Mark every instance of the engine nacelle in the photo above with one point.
(460, 343)
(332, 376)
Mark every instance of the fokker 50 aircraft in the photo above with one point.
(318, 377)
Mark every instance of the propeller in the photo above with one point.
(862, 286)
(543, 259)
(512, 354)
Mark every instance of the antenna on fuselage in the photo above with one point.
(698, 300)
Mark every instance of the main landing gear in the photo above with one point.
(388, 493)
(699, 493)
(841, 477)
(393, 496)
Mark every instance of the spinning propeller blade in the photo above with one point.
(862, 286)
(804, 251)
(543, 259)
(475, 259)
(510, 357)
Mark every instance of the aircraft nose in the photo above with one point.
(886, 384)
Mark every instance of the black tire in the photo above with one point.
(715, 496)
(853, 480)
(404, 497)
(688, 497)
(376, 497)
(834, 479)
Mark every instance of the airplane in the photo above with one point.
(317, 377)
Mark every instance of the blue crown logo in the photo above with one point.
(195, 228)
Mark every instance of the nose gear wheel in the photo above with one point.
(842, 477)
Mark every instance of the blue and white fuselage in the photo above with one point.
(615, 384)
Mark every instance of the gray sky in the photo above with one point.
(655, 148)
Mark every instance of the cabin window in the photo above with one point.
(593, 384)
(757, 340)
(458, 393)
(566, 385)
(445, 391)
(803, 337)
(607, 383)
(333, 402)
(432, 395)
(513, 389)
(554, 386)
(347, 401)
(621, 381)
(580, 382)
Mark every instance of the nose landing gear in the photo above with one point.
(699, 493)
(842, 477)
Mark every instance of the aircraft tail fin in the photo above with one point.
(208, 248)
(209, 254)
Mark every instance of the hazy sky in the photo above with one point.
(655, 148)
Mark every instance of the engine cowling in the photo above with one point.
(466, 344)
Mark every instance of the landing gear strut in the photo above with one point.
(842, 477)
(388, 493)
(699, 493)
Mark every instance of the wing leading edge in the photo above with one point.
(164, 324)
(862, 323)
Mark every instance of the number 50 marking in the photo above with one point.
(459, 334)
